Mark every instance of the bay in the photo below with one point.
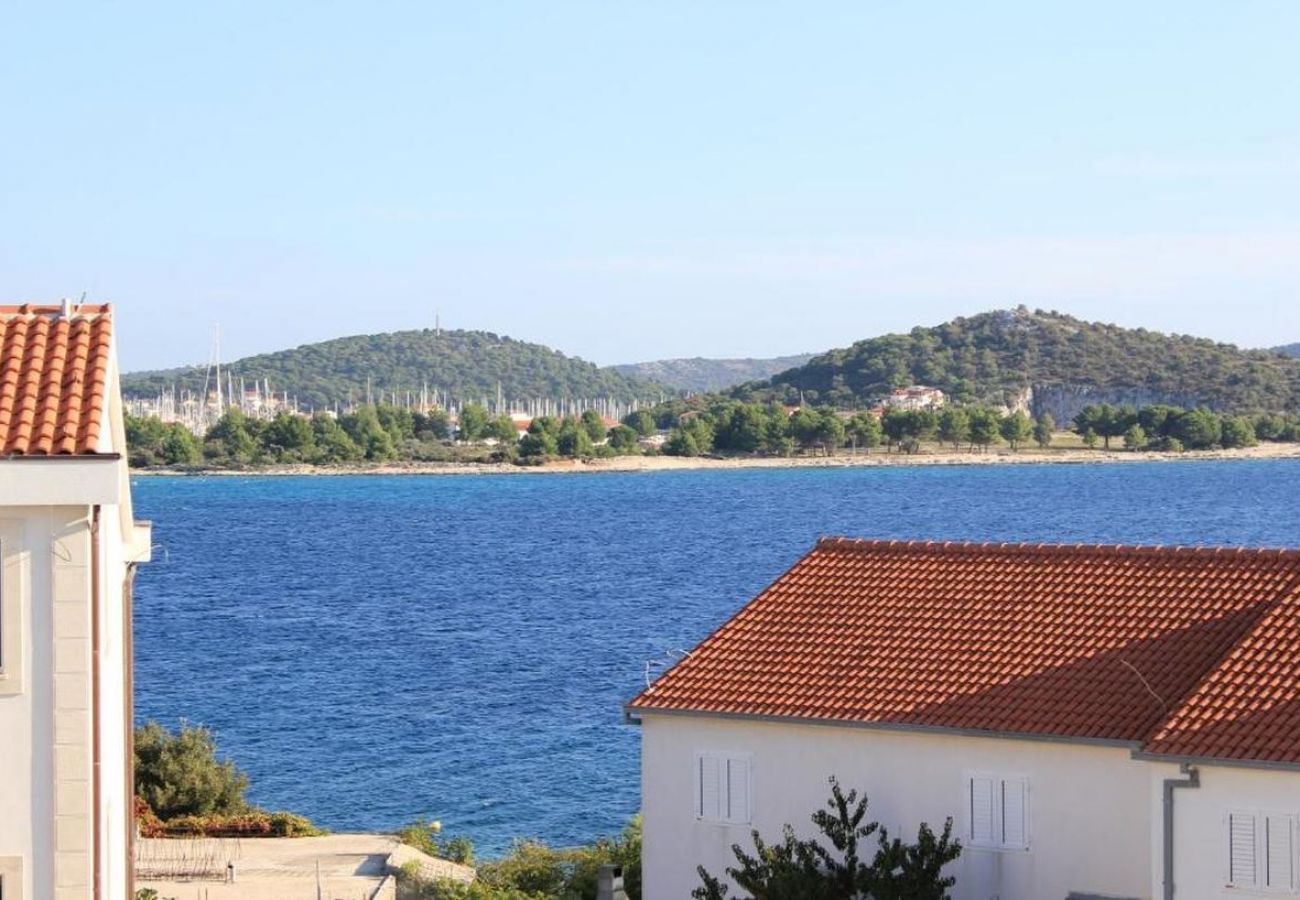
(378, 650)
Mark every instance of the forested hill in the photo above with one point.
(700, 375)
(1047, 362)
(1290, 350)
(465, 364)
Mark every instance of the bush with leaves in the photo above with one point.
(182, 789)
(427, 838)
(797, 869)
(147, 824)
(533, 871)
(179, 774)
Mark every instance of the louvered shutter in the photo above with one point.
(980, 800)
(738, 790)
(1278, 868)
(709, 783)
(1241, 850)
(1015, 824)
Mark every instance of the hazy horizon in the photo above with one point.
(629, 183)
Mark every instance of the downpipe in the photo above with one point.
(1193, 780)
(97, 837)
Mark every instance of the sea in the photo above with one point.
(379, 650)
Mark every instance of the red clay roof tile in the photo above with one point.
(1074, 641)
(53, 375)
(1248, 706)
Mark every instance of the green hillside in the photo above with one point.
(700, 375)
(465, 364)
(1290, 350)
(1048, 362)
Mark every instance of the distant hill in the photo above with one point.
(465, 364)
(702, 376)
(1290, 350)
(1045, 361)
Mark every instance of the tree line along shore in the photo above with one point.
(380, 434)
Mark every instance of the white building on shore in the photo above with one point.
(68, 548)
(1118, 722)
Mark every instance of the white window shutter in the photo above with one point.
(737, 790)
(980, 804)
(1015, 824)
(1241, 850)
(1279, 854)
(709, 782)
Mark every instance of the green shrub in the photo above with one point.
(412, 886)
(254, 823)
(568, 873)
(531, 871)
(459, 849)
(794, 867)
(287, 824)
(179, 774)
(426, 839)
(531, 867)
(183, 789)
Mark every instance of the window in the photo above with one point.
(1261, 850)
(722, 787)
(997, 811)
(13, 568)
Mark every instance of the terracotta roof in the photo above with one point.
(1072, 641)
(53, 370)
(1248, 707)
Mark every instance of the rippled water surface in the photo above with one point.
(375, 650)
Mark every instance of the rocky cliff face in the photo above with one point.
(1065, 401)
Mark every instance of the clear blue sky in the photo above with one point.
(627, 181)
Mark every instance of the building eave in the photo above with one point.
(61, 480)
(1173, 760)
(634, 716)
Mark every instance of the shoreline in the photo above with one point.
(633, 464)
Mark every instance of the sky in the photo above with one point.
(629, 181)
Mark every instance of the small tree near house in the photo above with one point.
(797, 869)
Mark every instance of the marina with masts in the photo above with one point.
(258, 398)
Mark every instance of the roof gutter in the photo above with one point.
(60, 457)
(1193, 780)
(1235, 762)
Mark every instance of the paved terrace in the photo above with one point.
(352, 867)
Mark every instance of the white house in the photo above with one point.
(1098, 722)
(68, 548)
(916, 396)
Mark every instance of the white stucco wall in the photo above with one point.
(1200, 836)
(1090, 815)
(45, 756)
(26, 717)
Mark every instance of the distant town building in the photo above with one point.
(69, 545)
(916, 396)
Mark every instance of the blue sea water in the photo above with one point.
(377, 650)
